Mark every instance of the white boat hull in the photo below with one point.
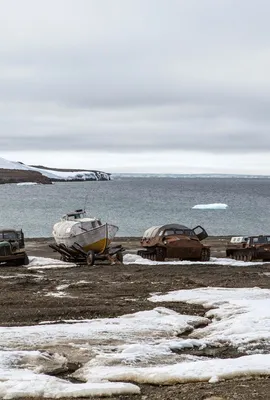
(96, 239)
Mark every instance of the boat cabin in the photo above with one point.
(77, 214)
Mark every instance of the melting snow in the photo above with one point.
(22, 372)
(240, 317)
(207, 370)
(214, 206)
(135, 259)
(46, 263)
(144, 347)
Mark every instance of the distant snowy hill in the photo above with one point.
(12, 171)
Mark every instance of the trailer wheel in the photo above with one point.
(90, 258)
(119, 257)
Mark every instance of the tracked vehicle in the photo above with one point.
(12, 248)
(248, 248)
(174, 241)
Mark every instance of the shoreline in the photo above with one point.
(39, 246)
(125, 238)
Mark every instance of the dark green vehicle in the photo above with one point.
(12, 249)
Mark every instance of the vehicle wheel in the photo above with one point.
(249, 257)
(26, 260)
(205, 255)
(90, 258)
(153, 257)
(160, 254)
(119, 257)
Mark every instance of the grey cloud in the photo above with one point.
(129, 76)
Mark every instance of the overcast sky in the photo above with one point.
(136, 85)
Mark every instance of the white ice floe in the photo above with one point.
(46, 263)
(240, 317)
(135, 259)
(214, 206)
(26, 183)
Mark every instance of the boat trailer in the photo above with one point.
(76, 254)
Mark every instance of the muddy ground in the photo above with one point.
(110, 291)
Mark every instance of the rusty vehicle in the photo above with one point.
(12, 247)
(174, 241)
(248, 248)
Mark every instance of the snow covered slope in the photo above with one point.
(54, 175)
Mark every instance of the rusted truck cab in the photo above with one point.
(248, 248)
(174, 241)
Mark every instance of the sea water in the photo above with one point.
(136, 203)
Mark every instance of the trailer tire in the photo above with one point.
(119, 257)
(90, 258)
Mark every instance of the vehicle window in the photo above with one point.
(189, 233)
(169, 232)
(179, 232)
(10, 235)
(259, 240)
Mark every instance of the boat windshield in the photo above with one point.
(74, 216)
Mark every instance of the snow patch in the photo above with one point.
(47, 263)
(135, 259)
(138, 347)
(240, 317)
(199, 371)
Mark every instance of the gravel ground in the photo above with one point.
(110, 291)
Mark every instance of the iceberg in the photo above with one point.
(214, 206)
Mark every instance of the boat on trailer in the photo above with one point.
(76, 233)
